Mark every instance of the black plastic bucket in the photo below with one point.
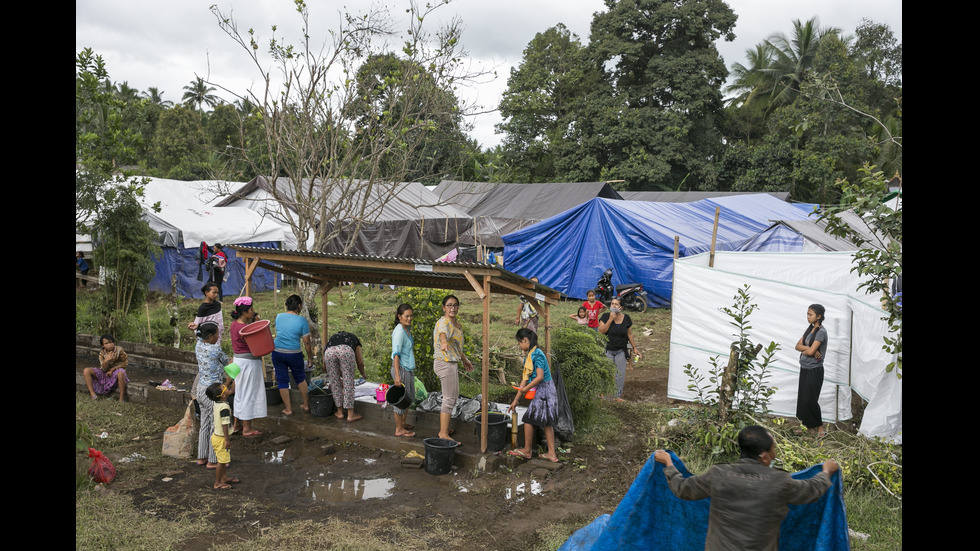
(397, 397)
(272, 396)
(439, 455)
(496, 430)
(321, 403)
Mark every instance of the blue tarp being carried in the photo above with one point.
(569, 252)
(650, 516)
(183, 262)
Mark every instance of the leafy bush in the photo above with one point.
(585, 370)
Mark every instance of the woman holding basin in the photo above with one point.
(250, 402)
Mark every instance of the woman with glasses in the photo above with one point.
(448, 345)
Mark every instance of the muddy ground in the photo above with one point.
(288, 478)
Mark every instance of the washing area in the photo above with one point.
(151, 365)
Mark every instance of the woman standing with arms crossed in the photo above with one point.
(617, 326)
(250, 402)
(448, 345)
(287, 357)
(403, 364)
(812, 346)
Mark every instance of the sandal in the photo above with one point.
(252, 434)
(222, 486)
(518, 453)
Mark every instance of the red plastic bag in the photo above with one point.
(101, 470)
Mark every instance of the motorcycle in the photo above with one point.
(631, 295)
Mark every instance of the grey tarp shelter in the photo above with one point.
(499, 209)
(400, 219)
(329, 269)
(811, 236)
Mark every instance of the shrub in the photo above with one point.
(737, 390)
(585, 370)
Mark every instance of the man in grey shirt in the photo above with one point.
(748, 499)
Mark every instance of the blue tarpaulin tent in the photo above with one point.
(568, 252)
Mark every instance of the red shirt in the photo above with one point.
(592, 311)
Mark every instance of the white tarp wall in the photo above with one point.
(783, 285)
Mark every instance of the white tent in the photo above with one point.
(784, 285)
(188, 207)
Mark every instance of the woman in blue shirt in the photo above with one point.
(403, 364)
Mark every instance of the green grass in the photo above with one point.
(105, 521)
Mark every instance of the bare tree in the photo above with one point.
(335, 147)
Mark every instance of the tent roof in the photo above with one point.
(388, 200)
(816, 238)
(636, 239)
(690, 196)
(521, 201)
(184, 207)
(499, 209)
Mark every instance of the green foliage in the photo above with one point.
(732, 396)
(879, 260)
(124, 244)
(585, 370)
(179, 139)
(542, 100)
(654, 121)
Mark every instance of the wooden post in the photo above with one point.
(677, 246)
(714, 236)
(485, 389)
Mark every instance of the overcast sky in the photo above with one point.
(164, 44)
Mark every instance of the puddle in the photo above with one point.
(522, 490)
(348, 489)
(273, 457)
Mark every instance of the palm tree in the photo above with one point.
(199, 93)
(793, 57)
(127, 93)
(156, 97)
(753, 85)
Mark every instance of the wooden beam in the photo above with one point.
(530, 293)
(476, 284)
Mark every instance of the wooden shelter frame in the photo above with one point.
(330, 270)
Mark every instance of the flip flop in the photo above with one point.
(232, 481)
(409, 435)
(518, 453)
(545, 457)
(252, 434)
(222, 487)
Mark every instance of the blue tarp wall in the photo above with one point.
(650, 516)
(183, 262)
(568, 252)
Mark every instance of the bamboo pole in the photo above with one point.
(714, 236)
